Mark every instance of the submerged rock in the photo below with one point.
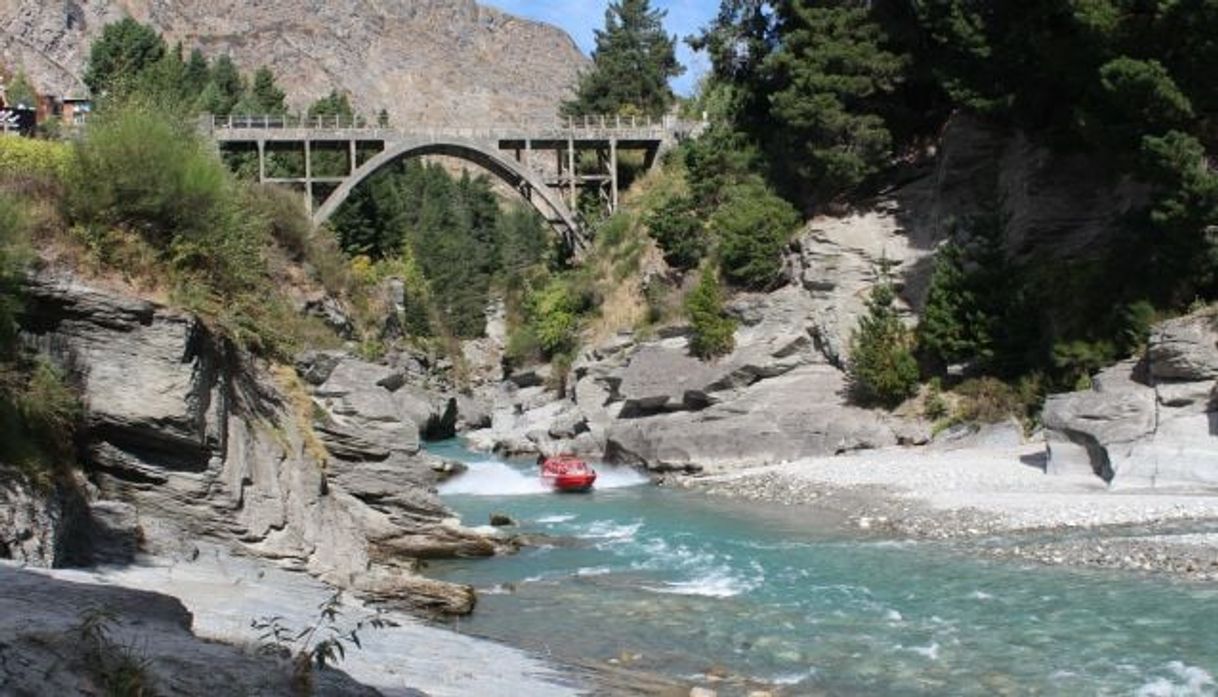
(502, 520)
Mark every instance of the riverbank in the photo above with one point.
(224, 593)
(997, 502)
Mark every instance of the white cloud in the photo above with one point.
(581, 18)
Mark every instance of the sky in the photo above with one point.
(582, 17)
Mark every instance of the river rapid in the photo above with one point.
(748, 596)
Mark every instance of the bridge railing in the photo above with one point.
(214, 123)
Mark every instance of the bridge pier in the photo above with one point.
(308, 175)
(613, 175)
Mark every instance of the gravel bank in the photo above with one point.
(996, 502)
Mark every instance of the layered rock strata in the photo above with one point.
(189, 438)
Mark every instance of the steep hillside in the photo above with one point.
(434, 61)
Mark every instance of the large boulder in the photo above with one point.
(1146, 423)
(796, 415)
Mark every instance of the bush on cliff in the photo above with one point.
(713, 331)
(38, 412)
(882, 367)
(28, 158)
(753, 225)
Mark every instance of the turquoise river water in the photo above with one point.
(679, 584)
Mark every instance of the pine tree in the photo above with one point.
(713, 331)
(632, 64)
(265, 93)
(226, 86)
(829, 76)
(196, 74)
(882, 367)
(124, 50)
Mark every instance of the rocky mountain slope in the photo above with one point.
(429, 61)
(189, 439)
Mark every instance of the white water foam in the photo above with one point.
(555, 519)
(793, 678)
(717, 584)
(593, 571)
(611, 532)
(931, 652)
(494, 478)
(1186, 681)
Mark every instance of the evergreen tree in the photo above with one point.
(225, 88)
(753, 225)
(20, 92)
(955, 325)
(124, 50)
(713, 331)
(196, 73)
(265, 93)
(632, 64)
(882, 367)
(829, 75)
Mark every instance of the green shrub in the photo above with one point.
(285, 217)
(144, 171)
(990, 400)
(677, 228)
(13, 254)
(935, 408)
(713, 331)
(882, 367)
(752, 226)
(553, 318)
(25, 157)
(39, 415)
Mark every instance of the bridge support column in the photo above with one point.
(571, 169)
(262, 162)
(613, 174)
(354, 156)
(308, 149)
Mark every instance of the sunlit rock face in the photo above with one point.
(424, 61)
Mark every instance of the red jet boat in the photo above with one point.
(567, 473)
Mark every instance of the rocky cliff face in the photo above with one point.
(1053, 207)
(190, 439)
(425, 61)
(1151, 422)
(775, 398)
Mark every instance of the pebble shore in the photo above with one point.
(994, 503)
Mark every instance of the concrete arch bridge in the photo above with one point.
(545, 162)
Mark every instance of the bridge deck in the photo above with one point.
(599, 130)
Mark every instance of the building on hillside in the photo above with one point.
(74, 111)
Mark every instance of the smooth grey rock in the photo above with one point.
(1185, 349)
(796, 415)
(659, 379)
(43, 653)
(568, 425)
(1004, 435)
(1150, 423)
(315, 367)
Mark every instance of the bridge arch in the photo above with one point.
(530, 185)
